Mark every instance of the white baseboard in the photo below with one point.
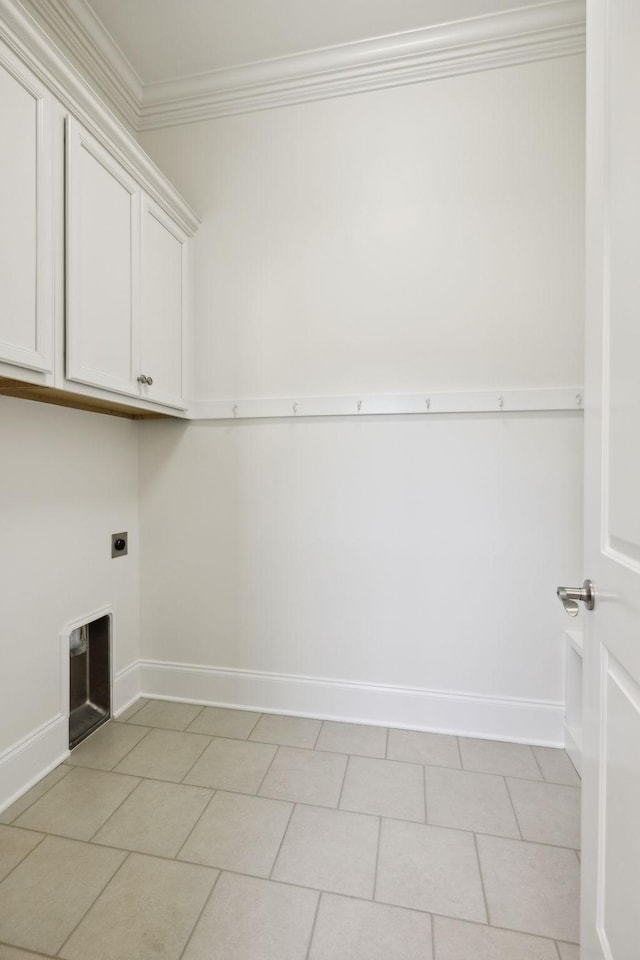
(126, 688)
(28, 761)
(520, 721)
(492, 718)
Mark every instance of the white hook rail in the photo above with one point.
(427, 404)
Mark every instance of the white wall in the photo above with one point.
(422, 238)
(412, 552)
(68, 480)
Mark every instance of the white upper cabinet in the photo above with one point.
(103, 251)
(26, 224)
(94, 242)
(165, 272)
(127, 273)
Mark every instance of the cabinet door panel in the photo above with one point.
(164, 264)
(103, 211)
(26, 227)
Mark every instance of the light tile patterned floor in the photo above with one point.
(196, 833)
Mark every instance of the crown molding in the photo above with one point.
(542, 32)
(78, 32)
(24, 35)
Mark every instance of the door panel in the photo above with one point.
(622, 313)
(610, 920)
(26, 228)
(163, 306)
(103, 240)
(620, 791)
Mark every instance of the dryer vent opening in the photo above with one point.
(89, 678)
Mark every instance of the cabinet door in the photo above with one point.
(26, 224)
(103, 265)
(164, 307)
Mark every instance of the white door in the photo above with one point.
(164, 308)
(611, 762)
(103, 266)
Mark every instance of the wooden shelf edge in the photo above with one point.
(65, 398)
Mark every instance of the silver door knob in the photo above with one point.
(571, 595)
(142, 379)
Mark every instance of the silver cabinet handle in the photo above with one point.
(571, 595)
(149, 381)
(143, 379)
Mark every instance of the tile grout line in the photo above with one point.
(375, 872)
(513, 807)
(163, 726)
(27, 854)
(344, 780)
(124, 756)
(21, 950)
(198, 819)
(284, 833)
(313, 926)
(538, 764)
(493, 773)
(424, 788)
(362, 756)
(64, 765)
(114, 811)
(202, 706)
(496, 836)
(543, 783)
(183, 778)
(433, 936)
(264, 743)
(138, 705)
(300, 886)
(386, 744)
(378, 726)
(93, 903)
(271, 762)
(260, 716)
(199, 917)
(484, 892)
(348, 896)
(317, 737)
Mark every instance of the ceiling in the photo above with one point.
(169, 39)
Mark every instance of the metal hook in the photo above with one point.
(295, 409)
(235, 409)
(579, 399)
(501, 402)
(428, 402)
(359, 405)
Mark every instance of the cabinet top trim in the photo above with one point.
(32, 45)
